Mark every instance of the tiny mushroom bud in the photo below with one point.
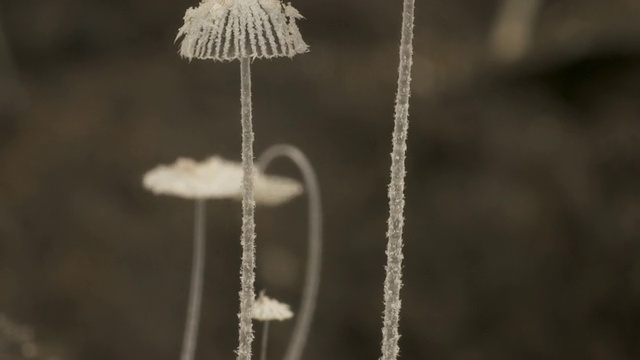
(268, 309)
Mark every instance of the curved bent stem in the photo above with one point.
(314, 252)
(197, 277)
(247, 270)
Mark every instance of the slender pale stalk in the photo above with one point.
(393, 279)
(247, 271)
(197, 276)
(314, 251)
(265, 339)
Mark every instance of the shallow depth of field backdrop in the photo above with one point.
(523, 188)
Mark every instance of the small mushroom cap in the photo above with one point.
(268, 309)
(233, 29)
(217, 178)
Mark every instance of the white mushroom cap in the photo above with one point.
(217, 178)
(233, 29)
(267, 309)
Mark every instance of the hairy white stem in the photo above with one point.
(393, 279)
(247, 270)
(314, 251)
(197, 276)
(265, 339)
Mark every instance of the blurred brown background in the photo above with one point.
(523, 188)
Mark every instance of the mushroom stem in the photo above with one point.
(265, 337)
(247, 271)
(393, 279)
(197, 277)
(314, 252)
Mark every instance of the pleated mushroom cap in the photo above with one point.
(226, 30)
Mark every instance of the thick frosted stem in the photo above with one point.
(393, 279)
(197, 276)
(314, 251)
(247, 270)
(265, 340)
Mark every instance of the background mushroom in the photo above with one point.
(214, 178)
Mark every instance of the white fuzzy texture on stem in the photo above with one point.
(393, 279)
(197, 276)
(314, 252)
(247, 270)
